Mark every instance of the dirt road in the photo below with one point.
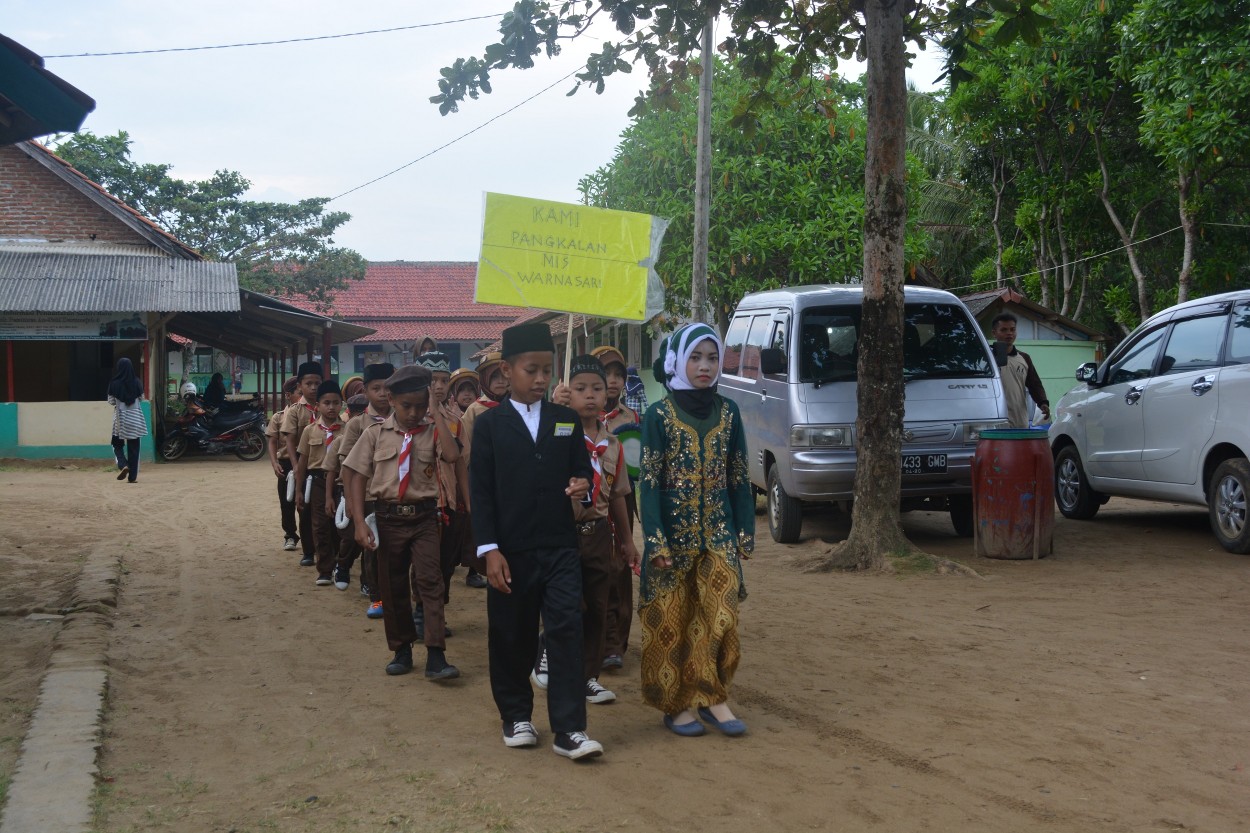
(1104, 688)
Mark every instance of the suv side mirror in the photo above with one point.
(1087, 372)
(773, 360)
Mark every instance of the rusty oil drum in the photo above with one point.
(1013, 512)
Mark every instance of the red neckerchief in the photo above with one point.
(596, 449)
(329, 429)
(608, 416)
(487, 401)
(405, 459)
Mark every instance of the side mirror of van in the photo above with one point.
(772, 360)
(1087, 372)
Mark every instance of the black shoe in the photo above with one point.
(437, 667)
(125, 471)
(324, 580)
(476, 579)
(306, 561)
(418, 622)
(575, 745)
(402, 663)
(342, 577)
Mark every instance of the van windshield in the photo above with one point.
(940, 341)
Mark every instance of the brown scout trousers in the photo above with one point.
(600, 568)
(324, 533)
(410, 542)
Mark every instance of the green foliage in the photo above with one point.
(787, 199)
(279, 248)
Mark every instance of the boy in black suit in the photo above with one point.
(528, 459)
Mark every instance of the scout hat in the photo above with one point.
(381, 370)
(410, 379)
(586, 364)
(462, 375)
(609, 354)
(488, 363)
(527, 338)
(328, 386)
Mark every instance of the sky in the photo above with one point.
(320, 118)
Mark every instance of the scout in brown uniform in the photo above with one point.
(494, 386)
(281, 462)
(378, 409)
(398, 459)
(616, 414)
(294, 421)
(602, 561)
(464, 389)
(452, 517)
(316, 446)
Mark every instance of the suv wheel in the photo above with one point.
(785, 514)
(960, 507)
(1226, 498)
(1075, 498)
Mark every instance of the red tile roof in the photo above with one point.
(404, 299)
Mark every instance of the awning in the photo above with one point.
(33, 101)
(262, 326)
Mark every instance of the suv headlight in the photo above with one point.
(972, 430)
(821, 436)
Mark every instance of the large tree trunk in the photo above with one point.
(875, 525)
(1127, 237)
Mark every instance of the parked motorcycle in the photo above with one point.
(241, 431)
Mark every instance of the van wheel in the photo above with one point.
(1226, 498)
(960, 507)
(785, 514)
(1075, 498)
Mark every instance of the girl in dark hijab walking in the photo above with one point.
(125, 395)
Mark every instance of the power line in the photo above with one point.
(1071, 262)
(461, 136)
(274, 42)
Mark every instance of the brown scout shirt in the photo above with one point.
(351, 432)
(449, 496)
(314, 447)
(613, 483)
(376, 456)
(476, 408)
(624, 415)
(296, 419)
(274, 429)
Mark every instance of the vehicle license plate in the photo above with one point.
(924, 463)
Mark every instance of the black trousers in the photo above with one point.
(546, 582)
(131, 458)
(287, 506)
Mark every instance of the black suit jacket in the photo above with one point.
(517, 485)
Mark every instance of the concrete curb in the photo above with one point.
(56, 771)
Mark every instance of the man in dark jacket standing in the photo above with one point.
(1018, 373)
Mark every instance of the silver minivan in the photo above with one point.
(790, 365)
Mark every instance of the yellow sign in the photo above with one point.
(571, 258)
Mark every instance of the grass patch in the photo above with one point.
(912, 563)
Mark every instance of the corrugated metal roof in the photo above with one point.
(81, 247)
(55, 282)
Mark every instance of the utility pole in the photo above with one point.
(699, 307)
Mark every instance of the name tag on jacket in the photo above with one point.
(564, 429)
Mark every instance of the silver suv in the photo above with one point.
(1165, 417)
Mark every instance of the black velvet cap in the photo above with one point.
(411, 379)
(527, 338)
(308, 369)
(587, 364)
(382, 370)
(328, 386)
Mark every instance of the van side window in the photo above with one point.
(757, 339)
(1138, 360)
(1239, 336)
(1194, 344)
(779, 338)
(735, 339)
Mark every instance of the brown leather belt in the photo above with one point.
(405, 510)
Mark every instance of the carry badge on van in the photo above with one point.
(564, 429)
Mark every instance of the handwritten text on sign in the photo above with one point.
(558, 256)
